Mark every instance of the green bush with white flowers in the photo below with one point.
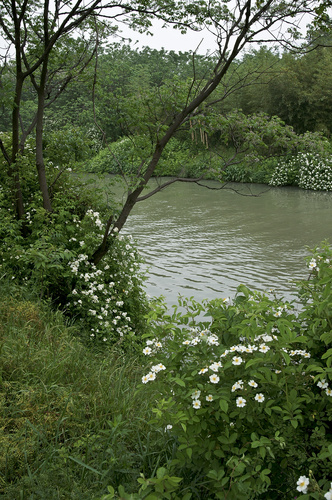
(306, 170)
(53, 253)
(244, 390)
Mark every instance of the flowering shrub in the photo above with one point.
(308, 171)
(55, 256)
(247, 394)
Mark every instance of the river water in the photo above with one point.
(204, 243)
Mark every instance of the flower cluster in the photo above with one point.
(322, 384)
(306, 170)
(101, 293)
(211, 374)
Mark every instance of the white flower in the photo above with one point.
(151, 376)
(145, 379)
(158, 368)
(302, 484)
(196, 394)
(195, 341)
(312, 265)
(264, 348)
(328, 495)
(203, 370)
(237, 360)
(215, 366)
(323, 384)
(328, 392)
(267, 338)
(214, 379)
(196, 404)
(237, 385)
(252, 383)
(240, 402)
(260, 398)
(147, 350)
(209, 397)
(168, 427)
(212, 340)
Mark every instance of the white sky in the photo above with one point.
(171, 39)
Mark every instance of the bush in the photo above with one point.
(52, 252)
(308, 171)
(247, 395)
(118, 158)
(124, 157)
(70, 144)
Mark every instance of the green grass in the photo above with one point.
(71, 419)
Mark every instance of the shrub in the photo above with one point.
(55, 256)
(247, 394)
(124, 157)
(118, 158)
(306, 170)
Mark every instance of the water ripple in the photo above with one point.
(206, 243)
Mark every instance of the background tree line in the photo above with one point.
(296, 88)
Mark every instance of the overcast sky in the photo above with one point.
(172, 39)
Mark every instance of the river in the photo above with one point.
(204, 243)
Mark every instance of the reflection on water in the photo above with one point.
(204, 243)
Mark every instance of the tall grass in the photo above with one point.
(71, 420)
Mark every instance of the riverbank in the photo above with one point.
(308, 168)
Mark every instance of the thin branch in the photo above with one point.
(226, 186)
(165, 184)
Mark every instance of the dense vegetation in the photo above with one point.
(102, 390)
(236, 405)
(273, 105)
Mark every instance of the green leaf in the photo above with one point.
(179, 381)
(294, 423)
(223, 405)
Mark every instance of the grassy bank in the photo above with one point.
(71, 421)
